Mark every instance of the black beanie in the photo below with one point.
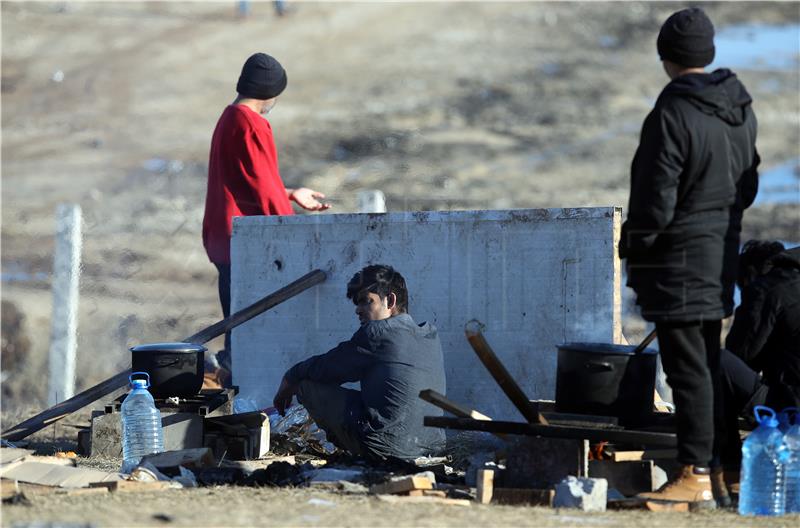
(687, 38)
(262, 77)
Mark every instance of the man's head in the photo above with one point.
(262, 78)
(686, 40)
(379, 292)
(755, 259)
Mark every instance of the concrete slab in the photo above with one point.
(535, 277)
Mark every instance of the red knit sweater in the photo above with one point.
(243, 178)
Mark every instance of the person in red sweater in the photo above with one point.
(243, 175)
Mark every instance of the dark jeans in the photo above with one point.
(690, 354)
(742, 389)
(337, 411)
(224, 287)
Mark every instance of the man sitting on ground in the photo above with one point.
(392, 357)
(761, 365)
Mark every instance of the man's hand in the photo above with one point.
(308, 199)
(283, 398)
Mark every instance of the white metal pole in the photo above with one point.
(64, 325)
(372, 201)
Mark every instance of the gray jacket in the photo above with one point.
(393, 359)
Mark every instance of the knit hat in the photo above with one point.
(262, 77)
(687, 38)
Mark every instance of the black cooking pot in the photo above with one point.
(607, 380)
(175, 369)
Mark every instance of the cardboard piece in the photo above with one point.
(49, 474)
(13, 454)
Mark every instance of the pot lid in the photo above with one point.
(186, 348)
(604, 348)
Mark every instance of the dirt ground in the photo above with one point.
(225, 506)
(439, 105)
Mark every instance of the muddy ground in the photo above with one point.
(441, 106)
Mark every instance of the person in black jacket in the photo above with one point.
(764, 337)
(393, 358)
(692, 176)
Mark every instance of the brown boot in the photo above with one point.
(692, 485)
(719, 488)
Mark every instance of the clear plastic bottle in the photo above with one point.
(763, 485)
(141, 424)
(792, 441)
(786, 418)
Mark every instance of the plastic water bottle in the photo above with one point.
(141, 424)
(763, 486)
(792, 441)
(786, 418)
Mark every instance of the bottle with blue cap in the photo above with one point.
(792, 440)
(764, 456)
(141, 423)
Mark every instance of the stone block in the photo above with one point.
(587, 494)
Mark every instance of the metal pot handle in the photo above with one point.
(598, 366)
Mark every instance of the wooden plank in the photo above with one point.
(92, 394)
(649, 454)
(435, 501)
(131, 486)
(402, 485)
(427, 493)
(485, 485)
(523, 497)
(554, 431)
(439, 400)
(529, 411)
(270, 301)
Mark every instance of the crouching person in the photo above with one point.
(392, 357)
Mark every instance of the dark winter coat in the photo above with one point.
(766, 327)
(393, 359)
(694, 173)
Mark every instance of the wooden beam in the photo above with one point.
(90, 395)
(554, 431)
(439, 400)
(529, 410)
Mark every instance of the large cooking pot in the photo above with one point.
(175, 369)
(606, 379)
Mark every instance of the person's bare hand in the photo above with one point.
(283, 398)
(309, 199)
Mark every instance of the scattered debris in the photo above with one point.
(298, 433)
(320, 502)
(132, 486)
(423, 481)
(170, 462)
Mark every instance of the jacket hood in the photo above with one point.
(789, 259)
(719, 93)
